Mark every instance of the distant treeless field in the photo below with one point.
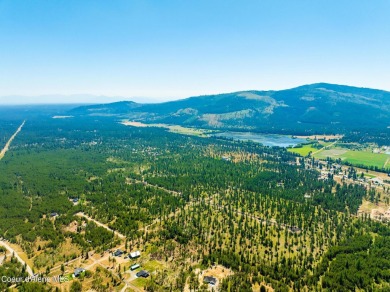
(304, 150)
(365, 158)
(172, 128)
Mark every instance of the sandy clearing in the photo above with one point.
(135, 124)
(62, 117)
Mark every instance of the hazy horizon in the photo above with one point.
(68, 99)
(94, 99)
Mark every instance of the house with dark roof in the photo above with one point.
(118, 253)
(78, 272)
(210, 280)
(143, 274)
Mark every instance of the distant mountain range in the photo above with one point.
(315, 108)
(49, 99)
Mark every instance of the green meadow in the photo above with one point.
(304, 150)
(356, 157)
(365, 158)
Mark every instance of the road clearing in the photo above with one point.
(81, 214)
(12, 251)
(6, 147)
(323, 148)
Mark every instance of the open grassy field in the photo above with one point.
(140, 282)
(366, 158)
(356, 157)
(152, 266)
(324, 144)
(369, 175)
(304, 150)
(172, 128)
(333, 153)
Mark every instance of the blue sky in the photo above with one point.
(171, 49)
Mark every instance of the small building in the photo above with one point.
(294, 229)
(226, 158)
(78, 272)
(143, 274)
(134, 267)
(376, 181)
(135, 254)
(336, 166)
(118, 253)
(210, 280)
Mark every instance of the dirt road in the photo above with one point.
(6, 147)
(120, 235)
(12, 251)
(323, 148)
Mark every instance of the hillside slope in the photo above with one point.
(315, 108)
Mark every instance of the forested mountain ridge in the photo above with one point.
(315, 108)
